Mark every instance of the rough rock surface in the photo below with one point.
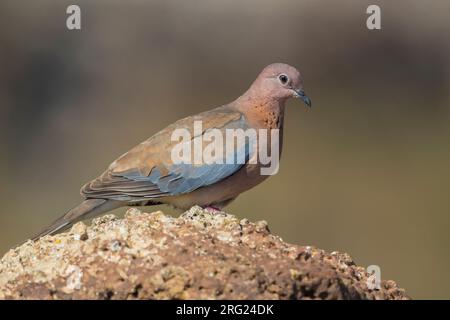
(196, 256)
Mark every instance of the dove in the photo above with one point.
(148, 175)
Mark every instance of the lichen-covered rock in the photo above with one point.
(196, 256)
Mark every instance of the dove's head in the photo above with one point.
(280, 81)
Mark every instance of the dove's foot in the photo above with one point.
(212, 209)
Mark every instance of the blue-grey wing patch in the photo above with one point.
(185, 178)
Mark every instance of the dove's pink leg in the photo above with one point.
(212, 209)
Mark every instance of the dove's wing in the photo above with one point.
(147, 171)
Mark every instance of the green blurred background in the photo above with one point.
(365, 171)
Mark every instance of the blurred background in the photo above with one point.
(365, 171)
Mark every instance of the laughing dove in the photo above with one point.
(148, 174)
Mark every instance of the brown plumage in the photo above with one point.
(146, 174)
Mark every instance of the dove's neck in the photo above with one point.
(262, 112)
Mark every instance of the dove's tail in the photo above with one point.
(87, 209)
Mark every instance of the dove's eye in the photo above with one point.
(283, 78)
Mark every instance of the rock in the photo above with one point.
(196, 256)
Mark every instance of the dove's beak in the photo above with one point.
(300, 94)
